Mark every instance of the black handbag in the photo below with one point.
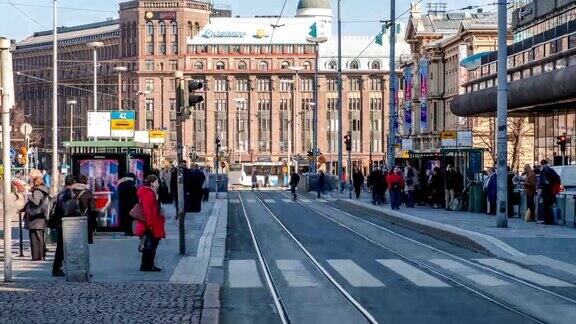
(146, 243)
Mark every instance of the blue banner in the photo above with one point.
(423, 95)
(407, 100)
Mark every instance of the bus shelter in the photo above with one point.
(103, 164)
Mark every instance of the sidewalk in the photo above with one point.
(115, 261)
(528, 243)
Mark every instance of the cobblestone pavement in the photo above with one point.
(135, 302)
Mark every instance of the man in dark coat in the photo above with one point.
(193, 191)
(56, 225)
(86, 203)
(375, 181)
(127, 198)
(550, 186)
(321, 184)
(357, 181)
(294, 180)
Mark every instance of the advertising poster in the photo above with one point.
(424, 95)
(98, 124)
(408, 100)
(137, 167)
(102, 177)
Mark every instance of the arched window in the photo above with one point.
(376, 65)
(150, 28)
(162, 28)
(197, 27)
(190, 29)
(307, 65)
(332, 65)
(242, 65)
(220, 65)
(198, 65)
(263, 66)
(174, 28)
(284, 65)
(354, 65)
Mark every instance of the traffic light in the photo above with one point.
(562, 142)
(192, 98)
(218, 144)
(348, 142)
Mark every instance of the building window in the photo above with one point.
(376, 65)
(285, 123)
(284, 65)
(221, 85)
(242, 126)
(263, 85)
(149, 84)
(149, 65)
(306, 84)
(306, 125)
(242, 65)
(376, 124)
(355, 84)
(150, 28)
(162, 48)
(355, 123)
(197, 27)
(149, 104)
(172, 102)
(332, 119)
(198, 65)
(263, 66)
(220, 65)
(332, 84)
(354, 65)
(307, 65)
(174, 47)
(162, 26)
(264, 125)
(174, 28)
(174, 65)
(332, 65)
(286, 85)
(242, 85)
(150, 48)
(376, 84)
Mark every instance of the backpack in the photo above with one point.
(410, 177)
(71, 207)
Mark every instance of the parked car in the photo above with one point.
(567, 175)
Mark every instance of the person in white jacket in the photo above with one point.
(206, 185)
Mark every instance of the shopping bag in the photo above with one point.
(528, 216)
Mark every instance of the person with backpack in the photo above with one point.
(411, 180)
(294, 180)
(395, 186)
(86, 204)
(66, 206)
(38, 209)
(549, 186)
(127, 197)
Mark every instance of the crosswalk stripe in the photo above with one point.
(470, 273)
(286, 200)
(234, 201)
(296, 274)
(270, 201)
(243, 274)
(524, 274)
(415, 275)
(354, 274)
(251, 201)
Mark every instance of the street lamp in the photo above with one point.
(94, 46)
(120, 69)
(316, 41)
(234, 146)
(71, 103)
(144, 93)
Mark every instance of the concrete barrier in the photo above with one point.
(76, 252)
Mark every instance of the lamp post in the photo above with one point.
(144, 93)
(71, 103)
(296, 70)
(95, 46)
(120, 69)
(239, 101)
(316, 41)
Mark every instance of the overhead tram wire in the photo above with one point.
(277, 25)
(49, 6)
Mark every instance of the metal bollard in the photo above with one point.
(76, 252)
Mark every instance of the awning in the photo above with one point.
(473, 61)
(544, 92)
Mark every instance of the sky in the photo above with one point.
(21, 18)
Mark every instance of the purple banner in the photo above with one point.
(424, 95)
(407, 100)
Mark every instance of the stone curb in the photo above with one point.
(211, 309)
(472, 240)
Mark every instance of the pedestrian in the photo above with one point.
(384, 186)
(436, 186)
(151, 229)
(294, 180)
(174, 187)
(510, 192)
(46, 176)
(395, 186)
(449, 179)
(458, 191)
(343, 182)
(127, 199)
(55, 223)
(206, 185)
(38, 208)
(254, 180)
(266, 178)
(491, 189)
(321, 183)
(375, 183)
(411, 181)
(86, 204)
(164, 191)
(193, 190)
(357, 181)
(530, 191)
(549, 187)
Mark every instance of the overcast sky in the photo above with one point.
(25, 17)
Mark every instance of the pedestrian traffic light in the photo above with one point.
(348, 142)
(562, 142)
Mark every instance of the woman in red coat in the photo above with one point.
(395, 185)
(152, 229)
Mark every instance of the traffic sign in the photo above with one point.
(122, 123)
(26, 129)
(12, 153)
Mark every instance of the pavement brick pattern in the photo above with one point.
(135, 302)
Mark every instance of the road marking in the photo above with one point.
(470, 273)
(554, 264)
(270, 201)
(415, 275)
(305, 200)
(251, 201)
(355, 275)
(234, 201)
(296, 274)
(321, 200)
(243, 274)
(524, 274)
(287, 200)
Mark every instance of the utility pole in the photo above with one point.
(392, 114)
(181, 104)
(7, 83)
(316, 41)
(339, 101)
(55, 173)
(502, 116)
